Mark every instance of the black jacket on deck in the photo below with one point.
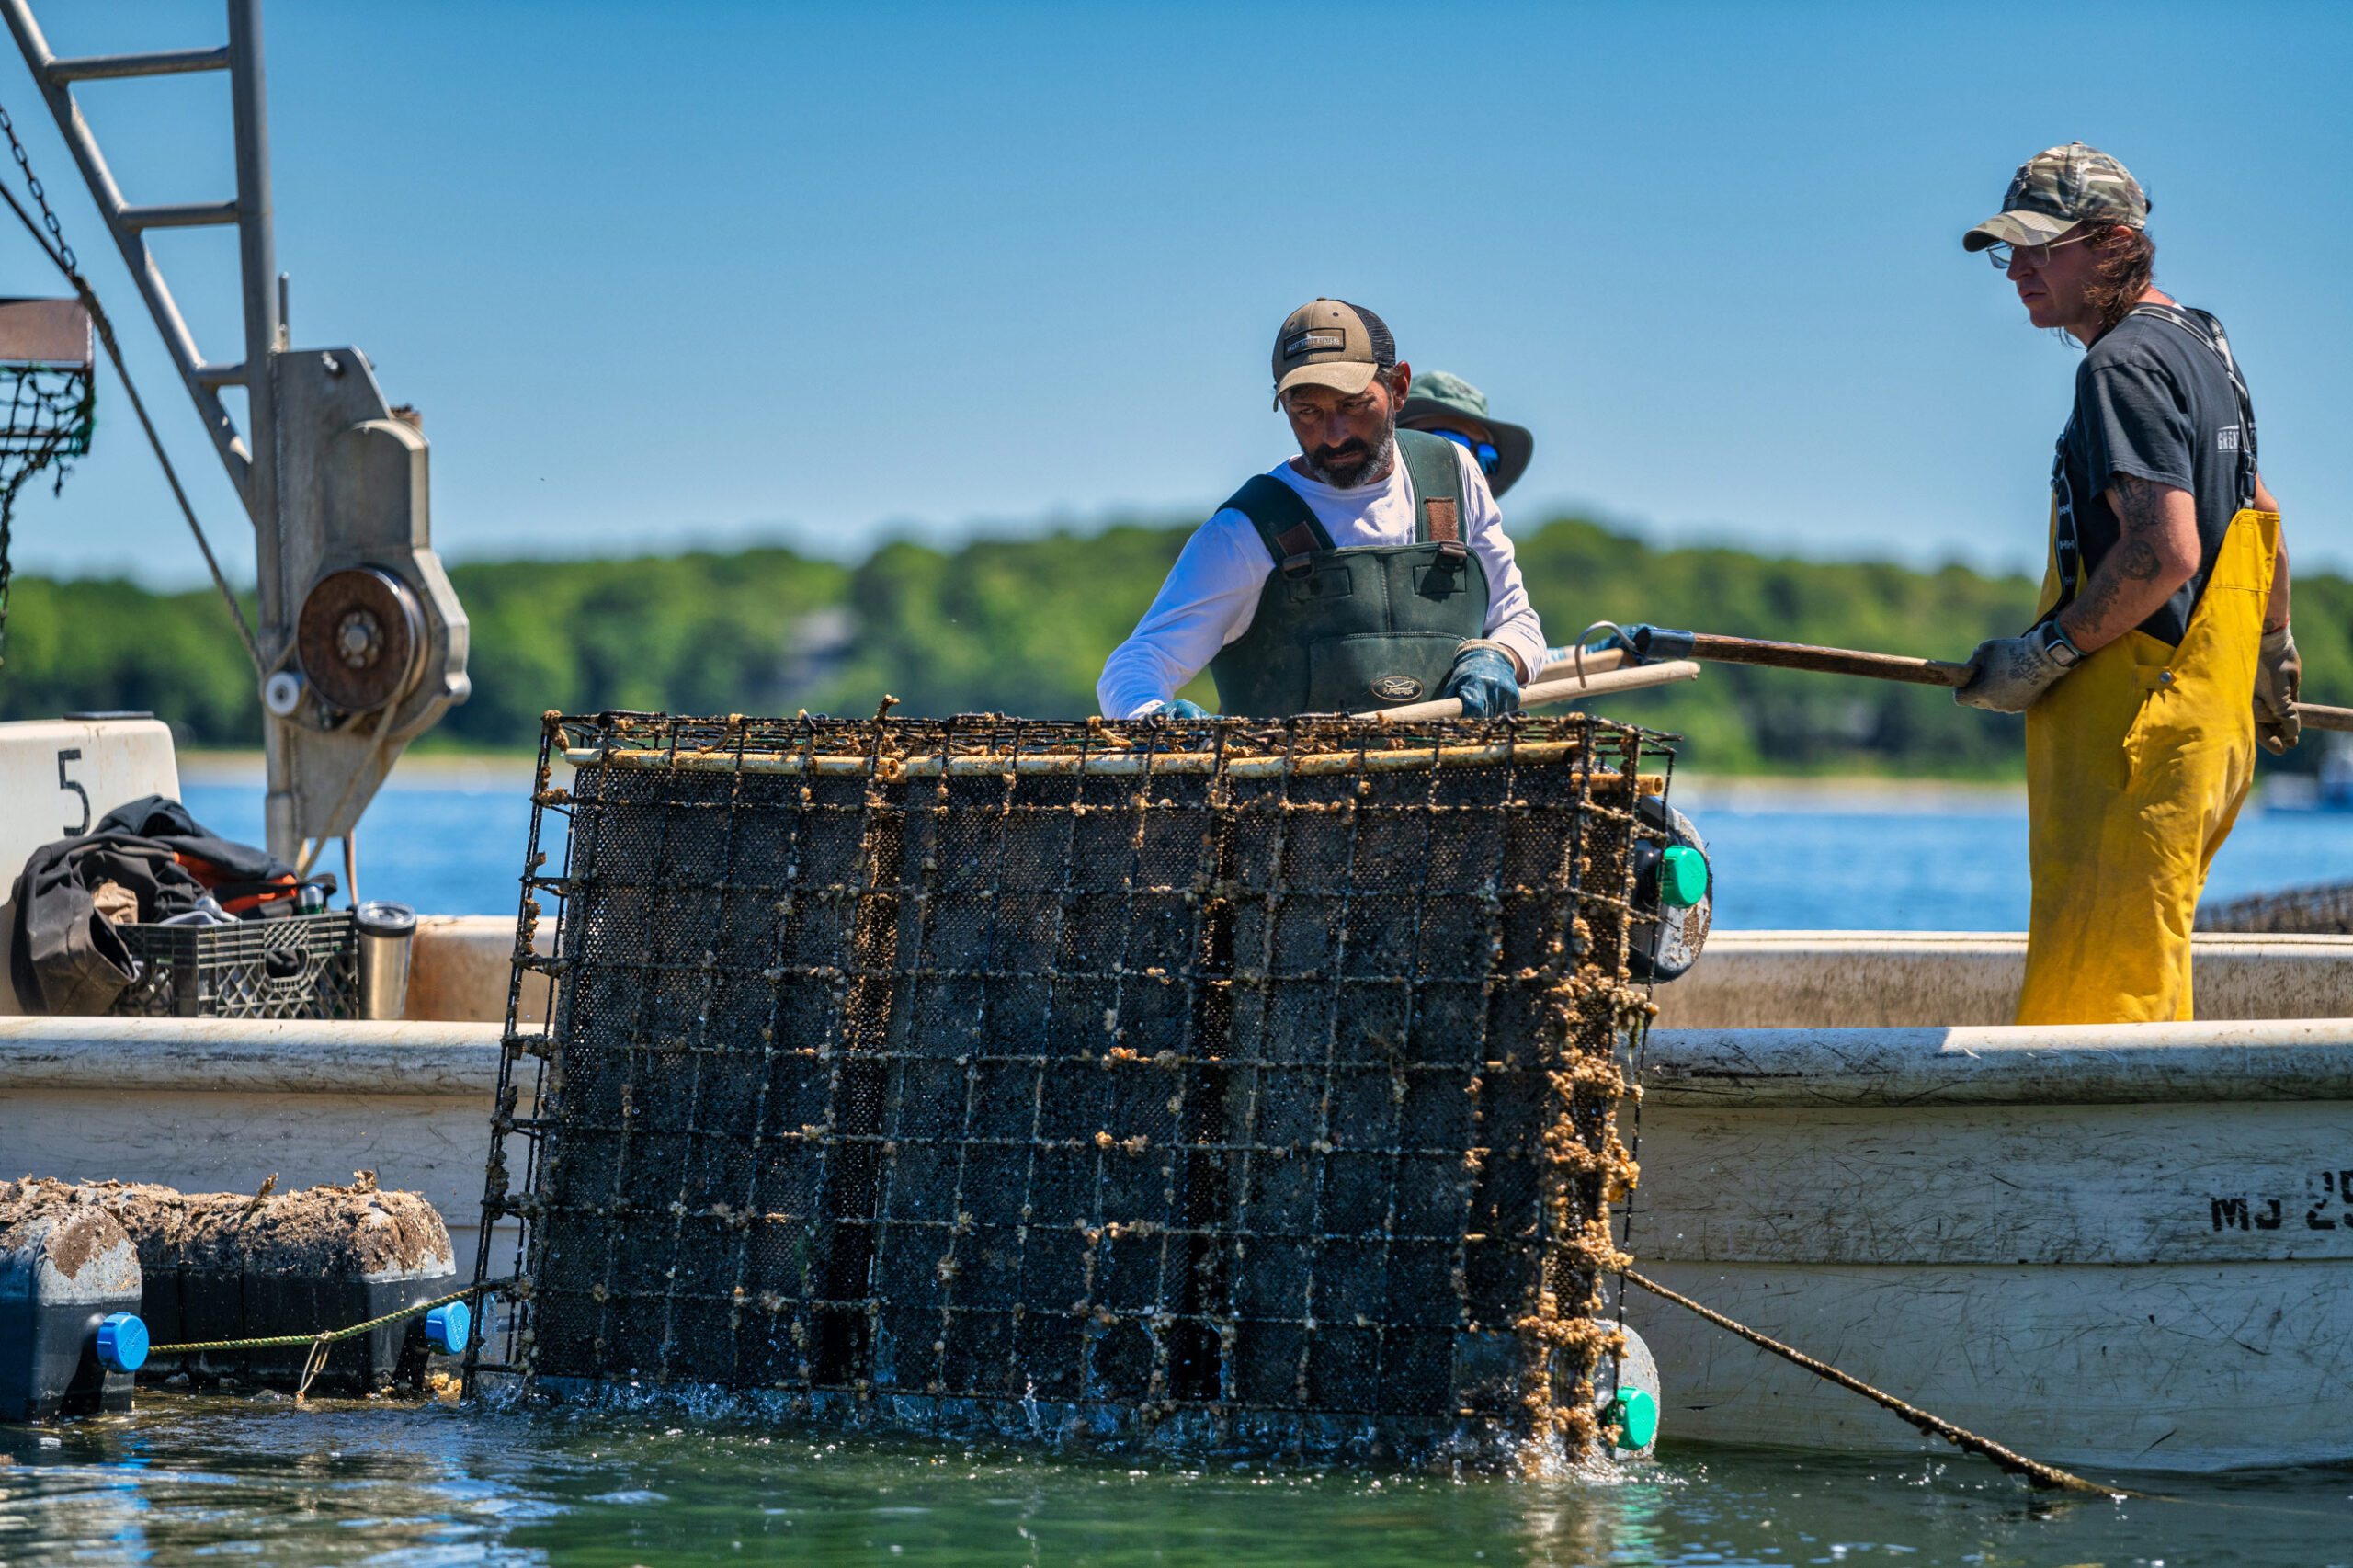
(67, 958)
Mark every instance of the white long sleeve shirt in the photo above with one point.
(1211, 594)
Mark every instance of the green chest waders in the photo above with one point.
(1372, 626)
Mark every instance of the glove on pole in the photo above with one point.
(2278, 675)
(2013, 671)
(1483, 680)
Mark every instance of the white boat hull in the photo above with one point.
(2196, 1366)
(2063, 1239)
(2105, 1248)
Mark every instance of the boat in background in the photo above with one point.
(2327, 789)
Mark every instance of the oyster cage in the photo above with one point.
(1229, 1086)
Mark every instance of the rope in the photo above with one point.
(326, 1337)
(2042, 1477)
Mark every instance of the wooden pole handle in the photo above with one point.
(1568, 690)
(2316, 717)
(1876, 667)
(1596, 662)
(1658, 643)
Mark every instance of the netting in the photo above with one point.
(1240, 1088)
(51, 409)
(2324, 910)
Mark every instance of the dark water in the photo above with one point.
(203, 1480)
(1785, 859)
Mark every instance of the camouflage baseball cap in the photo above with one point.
(2055, 190)
(1330, 342)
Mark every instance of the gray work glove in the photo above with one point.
(2012, 672)
(2278, 675)
(1174, 708)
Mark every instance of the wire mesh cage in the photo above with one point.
(1234, 1087)
(2322, 910)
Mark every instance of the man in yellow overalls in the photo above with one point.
(2161, 649)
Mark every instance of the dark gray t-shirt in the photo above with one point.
(2153, 402)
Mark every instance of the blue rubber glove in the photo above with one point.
(1567, 654)
(1175, 708)
(1650, 644)
(1484, 681)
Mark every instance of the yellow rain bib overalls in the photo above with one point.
(2137, 763)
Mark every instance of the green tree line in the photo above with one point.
(1023, 625)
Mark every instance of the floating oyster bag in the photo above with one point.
(1234, 1087)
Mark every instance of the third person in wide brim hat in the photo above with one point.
(1447, 405)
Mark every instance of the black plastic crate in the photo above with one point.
(306, 966)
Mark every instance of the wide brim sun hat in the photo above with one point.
(1437, 399)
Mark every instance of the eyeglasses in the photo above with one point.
(1483, 451)
(2035, 257)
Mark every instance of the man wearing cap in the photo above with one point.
(2161, 651)
(1450, 407)
(1368, 571)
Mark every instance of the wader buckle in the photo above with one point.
(1453, 555)
(1298, 543)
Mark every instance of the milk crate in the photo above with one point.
(305, 966)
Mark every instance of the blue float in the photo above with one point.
(446, 1328)
(123, 1342)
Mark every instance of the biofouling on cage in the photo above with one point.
(1242, 1089)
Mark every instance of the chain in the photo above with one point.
(64, 256)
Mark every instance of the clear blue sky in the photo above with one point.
(688, 274)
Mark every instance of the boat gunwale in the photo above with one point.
(250, 1055)
(2281, 1059)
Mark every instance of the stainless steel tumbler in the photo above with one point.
(385, 930)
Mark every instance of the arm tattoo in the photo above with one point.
(2139, 509)
(2136, 558)
(2141, 503)
(2099, 597)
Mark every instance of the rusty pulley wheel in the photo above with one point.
(360, 637)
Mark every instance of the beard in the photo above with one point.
(1355, 462)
